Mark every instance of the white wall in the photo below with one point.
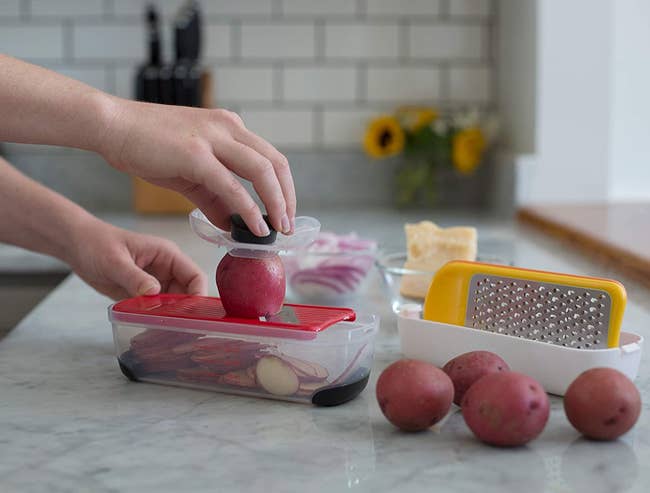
(630, 119)
(590, 79)
(516, 46)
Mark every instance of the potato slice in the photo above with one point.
(276, 376)
(238, 378)
(308, 388)
(306, 370)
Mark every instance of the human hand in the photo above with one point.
(121, 264)
(198, 152)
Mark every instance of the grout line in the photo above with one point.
(319, 39)
(362, 9)
(362, 82)
(445, 83)
(109, 9)
(111, 78)
(444, 9)
(403, 42)
(68, 40)
(277, 9)
(278, 83)
(318, 126)
(236, 40)
(25, 10)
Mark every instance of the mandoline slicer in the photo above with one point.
(203, 313)
(571, 311)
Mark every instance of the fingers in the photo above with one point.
(253, 166)
(175, 271)
(134, 280)
(280, 165)
(216, 178)
(215, 209)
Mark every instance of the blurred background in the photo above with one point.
(564, 84)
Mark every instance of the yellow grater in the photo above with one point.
(573, 311)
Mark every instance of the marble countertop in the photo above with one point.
(69, 420)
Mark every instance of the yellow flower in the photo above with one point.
(384, 137)
(467, 148)
(416, 117)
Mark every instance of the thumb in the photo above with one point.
(135, 281)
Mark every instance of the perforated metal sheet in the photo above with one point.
(553, 313)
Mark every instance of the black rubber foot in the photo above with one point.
(335, 396)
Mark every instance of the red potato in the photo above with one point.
(306, 370)
(602, 403)
(414, 395)
(197, 375)
(467, 368)
(506, 409)
(251, 287)
(238, 378)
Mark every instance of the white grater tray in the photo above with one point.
(554, 366)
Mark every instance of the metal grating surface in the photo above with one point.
(558, 314)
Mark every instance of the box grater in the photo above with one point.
(572, 311)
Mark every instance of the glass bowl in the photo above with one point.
(391, 268)
(327, 278)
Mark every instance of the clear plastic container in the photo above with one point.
(299, 355)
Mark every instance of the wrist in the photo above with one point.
(75, 231)
(106, 138)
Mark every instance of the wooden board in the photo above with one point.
(618, 234)
(150, 199)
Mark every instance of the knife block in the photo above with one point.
(150, 199)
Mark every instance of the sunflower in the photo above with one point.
(467, 148)
(416, 117)
(384, 137)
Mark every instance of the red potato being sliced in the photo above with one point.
(276, 376)
(305, 369)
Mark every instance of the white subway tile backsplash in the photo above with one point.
(216, 41)
(345, 128)
(278, 41)
(9, 8)
(66, 8)
(289, 128)
(32, 41)
(446, 41)
(242, 84)
(320, 84)
(238, 7)
(125, 82)
(403, 7)
(361, 40)
(109, 41)
(403, 84)
(469, 84)
(137, 7)
(319, 7)
(473, 8)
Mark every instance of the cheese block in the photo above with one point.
(429, 248)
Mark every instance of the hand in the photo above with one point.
(121, 264)
(198, 152)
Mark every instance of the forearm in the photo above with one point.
(39, 106)
(37, 218)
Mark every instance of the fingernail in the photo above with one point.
(286, 224)
(149, 289)
(293, 224)
(264, 229)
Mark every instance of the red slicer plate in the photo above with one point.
(209, 313)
